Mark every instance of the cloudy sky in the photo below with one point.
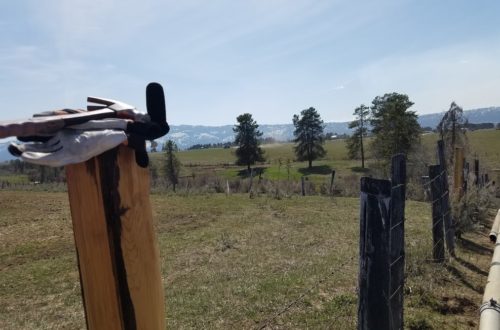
(217, 59)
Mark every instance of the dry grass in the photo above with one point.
(232, 262)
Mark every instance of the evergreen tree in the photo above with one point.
(247, 140)
(172, 165)
(308, 134)
(395, 128)
(355, 145)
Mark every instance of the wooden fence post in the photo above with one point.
(466, 176)
(331, 182)
(302, 185)
(441, 157)
(374, 264)
(437, 215)
(251, 181)
(458, 174)
(397, 243)
(117, 250)
(476, 171)
(449, 229)
(381, 252)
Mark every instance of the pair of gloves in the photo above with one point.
(78, 143)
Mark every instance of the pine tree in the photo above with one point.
(395, 128)
(309, 137)
(247, 140)
(355, 145)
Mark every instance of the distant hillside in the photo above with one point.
(476, 116)
(188, 135)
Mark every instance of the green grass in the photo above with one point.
(15, 179)
(234, 262)
(483, 143)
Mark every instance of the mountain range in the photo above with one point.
(188, 135)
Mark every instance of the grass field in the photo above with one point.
(484, 143)
(280, 163)
(234, 262)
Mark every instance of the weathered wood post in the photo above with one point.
(331, 182)
(466, 176)
(251, 181)
(449, 229)
(476, 171)
(437, 215)
(117, 249)
(458, 174)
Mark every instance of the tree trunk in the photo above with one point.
(362, 151)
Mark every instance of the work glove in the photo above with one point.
(96, 136)
(135, 137)
(69, 146)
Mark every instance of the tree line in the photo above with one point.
(389, 122)
(393, 126)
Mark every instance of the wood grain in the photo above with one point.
(117, 249)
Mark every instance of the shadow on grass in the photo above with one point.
(360, 169)
(471, 267)
(461, 277)
(474, 247)
(321, 169)
(256, 171)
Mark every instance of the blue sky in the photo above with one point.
(218, 59)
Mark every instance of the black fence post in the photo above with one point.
(302, 186)
(396, 243)
(381, 251)
(331, 182)
(374, 264)
(476, 171)
(437, 215)
(466, 176)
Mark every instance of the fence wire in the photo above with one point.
(269, 321)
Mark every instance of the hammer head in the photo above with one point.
(122, 109)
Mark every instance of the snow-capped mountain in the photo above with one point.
(188, 135)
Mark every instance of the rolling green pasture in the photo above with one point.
(280, 159)
(234, 262)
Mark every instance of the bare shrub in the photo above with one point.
(472, 209)
(349, 185)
